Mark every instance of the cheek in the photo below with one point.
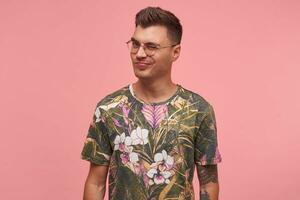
(163, 62)
(131, 56)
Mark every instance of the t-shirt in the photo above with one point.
(152, 148)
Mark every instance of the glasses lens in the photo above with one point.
(150, 50)
(134, 48)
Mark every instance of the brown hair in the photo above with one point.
(150, 16)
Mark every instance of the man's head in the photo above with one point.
(160, 32)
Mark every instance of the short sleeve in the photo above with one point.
(97, 148)
(206, 144)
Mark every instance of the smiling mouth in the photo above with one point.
(142, 65)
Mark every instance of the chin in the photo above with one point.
(141, 75)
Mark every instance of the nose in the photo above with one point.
(141, 52)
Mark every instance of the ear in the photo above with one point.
(176, 52)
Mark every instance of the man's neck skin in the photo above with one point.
(156, 91)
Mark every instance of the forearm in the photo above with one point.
(93, 191)
(209, 184)
(209, 192)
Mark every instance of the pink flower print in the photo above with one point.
(125, 110)
(125, 158)
(129, 156)
(146, 179)
(138, 168)
(154, 114)
(116, 122)
(203, 160)
(218, 157)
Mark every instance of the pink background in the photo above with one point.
(58, 58)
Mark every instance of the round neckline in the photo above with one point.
(130, 88)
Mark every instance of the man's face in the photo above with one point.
(159, 64)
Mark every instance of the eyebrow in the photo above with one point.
(135, 40)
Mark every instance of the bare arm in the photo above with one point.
(95, 184)
(208, 178)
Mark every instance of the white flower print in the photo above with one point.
(158, 177)
(98, 114)
(165, 158)
(139, 136)
(133, 157)
(122, 142)
(129, 156)
(160, 171)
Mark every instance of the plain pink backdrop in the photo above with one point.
(59, 57)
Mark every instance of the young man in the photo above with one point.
(150, 134)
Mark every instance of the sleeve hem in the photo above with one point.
(93, 160)
(211, 162)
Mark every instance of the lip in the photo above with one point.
(142, 65)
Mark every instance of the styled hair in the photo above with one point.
(150, 16)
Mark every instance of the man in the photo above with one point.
(150, 134)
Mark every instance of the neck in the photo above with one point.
(154, 91)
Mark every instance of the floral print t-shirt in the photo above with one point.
(152, 148)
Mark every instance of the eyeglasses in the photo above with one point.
(149, 48)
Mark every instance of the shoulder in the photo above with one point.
(202, 104)
(113, 98)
